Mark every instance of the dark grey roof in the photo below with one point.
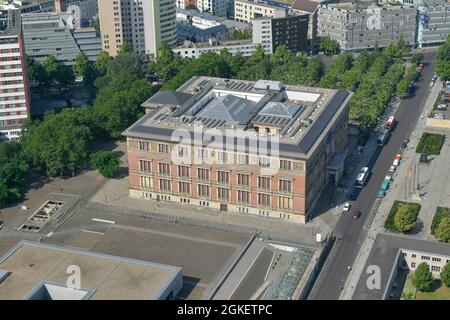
(280, 109)
(384, 253)
(305, 144)
(173, 98)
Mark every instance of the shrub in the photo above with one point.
(413, 211)
(430, 143)
(105, 162)
(445, 274)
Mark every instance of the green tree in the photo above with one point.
(240, 34)
(126, 63)
(422, 278)
(417, 58)
(106, 162)
(13, 169)
(402, 88)
(166, 65)
(51, 67)
(36, 72)
(103, 62)
(84, 68)
(443, 59)
(445, 274)
(404, 218)
(64, 76)
(118, 105)
(442, 231)
(329, 46)
(59, 144)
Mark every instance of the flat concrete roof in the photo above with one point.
(384, 253)
(110, 277)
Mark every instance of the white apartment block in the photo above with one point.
(247, 10)
(145, 24)
(364, 27)
(14, 97)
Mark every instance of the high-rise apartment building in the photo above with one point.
(14, 96)
(247, 10)
(144, 24)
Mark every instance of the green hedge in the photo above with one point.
(430, 143)
(390, 224)
(441, 212)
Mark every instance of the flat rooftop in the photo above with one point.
(106, 277)
(299, 115)
(384, 254)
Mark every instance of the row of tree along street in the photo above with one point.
(61, 143)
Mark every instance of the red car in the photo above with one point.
(356, 215)
(398, 157)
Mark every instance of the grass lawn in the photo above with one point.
(389, 224)
(430, 143)
(441, 212)
(440, 292)
(409, 291)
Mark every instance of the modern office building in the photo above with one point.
(260, 148)
(14, 96)
(144, 24)
(37, 271)
(365, 25)
(247, 10)
(54, 34)
(434, 23)
(310, 8)
(282, 29)
(194, 50)
(28, 6)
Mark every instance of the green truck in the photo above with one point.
(384, 186)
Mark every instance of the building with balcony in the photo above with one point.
(260, 148)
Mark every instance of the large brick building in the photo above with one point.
(304, 129)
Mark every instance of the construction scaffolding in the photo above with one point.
(284, 286)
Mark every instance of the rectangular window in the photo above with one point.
(436, 259)
(286, 164)
(243, 159)
(223, 157)
(223, 194)
(145, 165)
(285, 185)
(202, 174)
(164, 168)
(243, 179)
(264, 199)
(184, 187)
(143, 145)
(284, 202)
(425, 258)
(264, 162)
(163, 148)
(413, 265)
(202, 154)
(145, 182)
(165, 185)
(243, 196)
(183, 171)
(264, 183)
(183, 151)
(435, 269)
(223, 177)
(203, 191)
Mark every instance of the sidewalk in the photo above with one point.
(396, 191)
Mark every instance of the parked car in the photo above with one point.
(346, 206)
(1, 225)
(392, 168)
(442, 106)
(439, 116)
(432, 84)
(356, 215)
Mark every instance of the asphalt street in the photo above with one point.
(351, 231)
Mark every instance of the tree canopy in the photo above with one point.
(442, 231)
(445, 274)
(422, 278)
(404, 219)
(106, 162)
(329, 46)
(443, 59)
